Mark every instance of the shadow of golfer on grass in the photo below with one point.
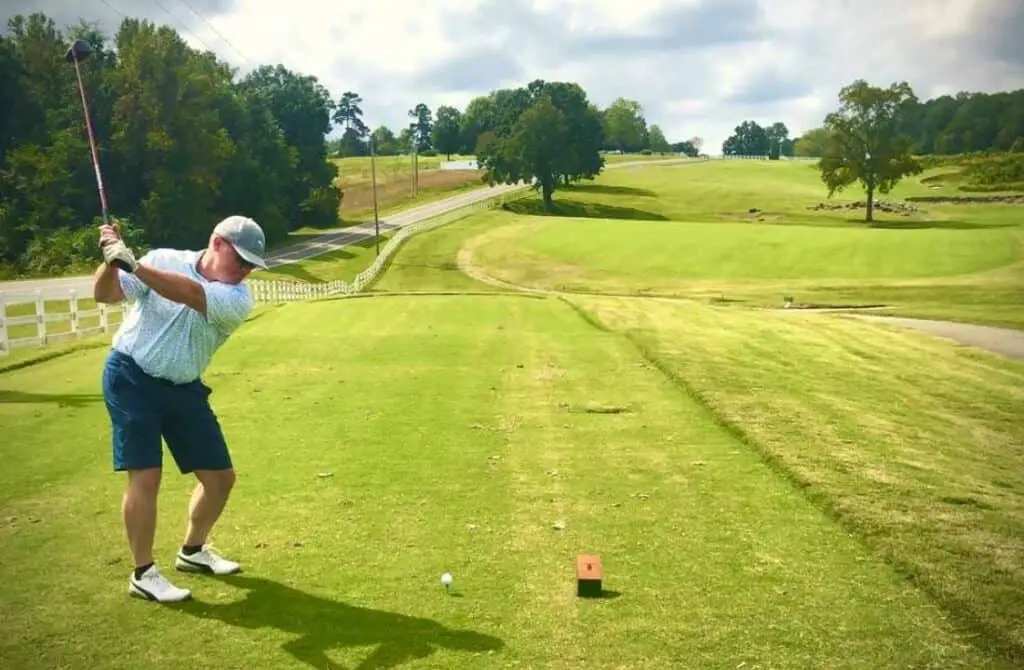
(323, 624)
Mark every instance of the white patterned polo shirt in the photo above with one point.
(170, 340)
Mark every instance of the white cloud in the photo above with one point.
(698, 67)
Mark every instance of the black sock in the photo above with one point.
(142, 568)
(188, 550)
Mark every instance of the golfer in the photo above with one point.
(185, 304)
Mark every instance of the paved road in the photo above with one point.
(326, 242)
(1005, 341)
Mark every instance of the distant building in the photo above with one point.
(459, 165)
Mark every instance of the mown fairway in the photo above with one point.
(766, 489)
(687, 231)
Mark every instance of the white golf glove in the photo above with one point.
(118, 252)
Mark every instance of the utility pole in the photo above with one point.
(415, 167)
(373, 173)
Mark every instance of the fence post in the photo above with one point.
(73, 314)
(5, 346)
(104, 323)
(41, 318)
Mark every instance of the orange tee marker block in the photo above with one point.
(588, 576)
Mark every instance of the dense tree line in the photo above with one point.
(948, 125)
(181, 143)
(448, 130)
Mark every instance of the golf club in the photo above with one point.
(79, 51)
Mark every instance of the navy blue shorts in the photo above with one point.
(143, 409)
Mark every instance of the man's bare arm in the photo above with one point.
(174, 286)
(106, 286)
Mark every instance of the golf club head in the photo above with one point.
(79, 51)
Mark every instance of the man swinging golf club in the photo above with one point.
(185, 305)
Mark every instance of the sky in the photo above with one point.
(698, 68)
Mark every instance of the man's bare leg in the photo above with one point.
(138, 509)
(204, 509)
(207, 503)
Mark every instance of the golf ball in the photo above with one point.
(446, 579)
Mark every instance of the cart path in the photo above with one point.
(1006, 341)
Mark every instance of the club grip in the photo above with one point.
(119, 264)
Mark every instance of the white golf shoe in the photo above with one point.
(154, 586)
(207, 562)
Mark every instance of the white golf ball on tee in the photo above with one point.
(446, 579)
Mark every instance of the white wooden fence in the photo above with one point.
(18, 312)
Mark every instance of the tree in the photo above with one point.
(349, 114)
(750, 139)
(686, 148)
(180, 144)
(303, 109)
(625, 128)
(866, 142)
(447, 136)
(534, 150)
(555, 140)
(385, 142)
(658, 142)
(581, 155)
(779, 143)
(811, 143)
(421, 127)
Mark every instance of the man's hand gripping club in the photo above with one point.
(115, 251)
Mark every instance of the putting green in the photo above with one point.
(655, 250)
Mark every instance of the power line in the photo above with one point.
(219, 34)
(184, 29)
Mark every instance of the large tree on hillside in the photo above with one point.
(581, 154)
(555, 140)
(866, 141)
(533, 151)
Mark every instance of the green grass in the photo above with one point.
(912, 444)
(429, 261)
(766, 489)
(710, 557)
(687, 231)
(344, 263)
